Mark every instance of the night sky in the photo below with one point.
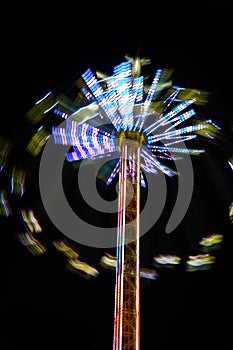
(46, 305)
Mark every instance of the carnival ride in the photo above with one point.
(138, 125)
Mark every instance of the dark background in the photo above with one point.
(46, 305)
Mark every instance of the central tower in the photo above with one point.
(127, 290)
